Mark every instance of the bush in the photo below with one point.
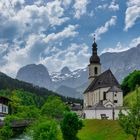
(45, 130)
(70, 126)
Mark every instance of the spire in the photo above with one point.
(94, 58)
(94, 38)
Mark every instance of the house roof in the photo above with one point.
(105, 79)
(5, 98)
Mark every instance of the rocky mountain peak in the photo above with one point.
(35, 74)
(65, 70)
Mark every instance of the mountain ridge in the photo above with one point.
(120, 63)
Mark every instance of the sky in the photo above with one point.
(58, 33)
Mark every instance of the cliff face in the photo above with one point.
(35, 74)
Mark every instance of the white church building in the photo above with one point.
(103, 97)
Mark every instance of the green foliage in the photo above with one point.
(70, 126)
(44, 129)
(130, 122)
(6, 132)
(28, 112)
(130, 99)
(27, 106)
(42, 94)
(131, 81)
(54, 108)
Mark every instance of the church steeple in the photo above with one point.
(94, 58)
(95, 65)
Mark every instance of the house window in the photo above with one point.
(96, 70)
(104, 95)
(115, 101)
(3, 109)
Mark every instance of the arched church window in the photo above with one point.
(96, 70)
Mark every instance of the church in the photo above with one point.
(103, 98)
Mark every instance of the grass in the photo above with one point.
(107, 129)
(102, 130)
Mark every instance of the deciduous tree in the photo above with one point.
(130, 121)
(70, 126)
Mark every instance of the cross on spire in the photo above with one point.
(94, 37)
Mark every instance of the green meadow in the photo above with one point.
(102, 130)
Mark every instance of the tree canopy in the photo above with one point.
(130, 82)
(70, 126)
(130, 121)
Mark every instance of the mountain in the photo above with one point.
(71, 83)
(10, 84)
(65, 70)
(71, 79)
(122, 63)
(7, 82)
(35, 74)
(68, 91)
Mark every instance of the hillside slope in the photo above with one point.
(102, 130)
(130, 98)
(7, 82)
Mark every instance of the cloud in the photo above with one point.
(23, 28)
(19, 20)
(103, 6)
(56, 12)
(119, 48)
(135, 42)
(103, 29)
(75, 56)
(36, 47)
(67, 32)
(113, 6)
(132, 13)
(122, 47)
(80, 8)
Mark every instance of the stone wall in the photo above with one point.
(104, 112)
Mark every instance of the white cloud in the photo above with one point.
(20, 19)
(122, 47)
(32, 19)
(132, 13)
(3, 48)
(36, 46)
(103, 6)
(56, 12)
(80, 8)
(135, 42)
(103, 29)
(119, 48)
(75, 56)
(66, 3)
(67, 32)
(23, 28)
(113, 6)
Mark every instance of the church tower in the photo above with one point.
(95, 65)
